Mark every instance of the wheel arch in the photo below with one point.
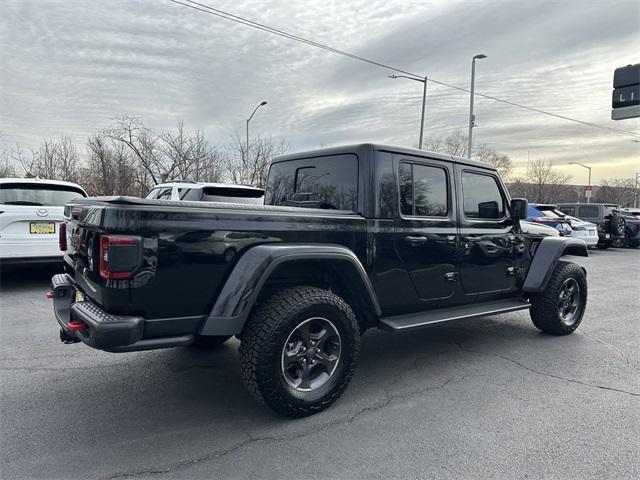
(546, 258)
(264, 268)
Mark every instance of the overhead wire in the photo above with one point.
(260, 26)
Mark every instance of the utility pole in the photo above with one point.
(589, 188)
(262, 104)
(472, 119)
(635, 191)
(424, 102)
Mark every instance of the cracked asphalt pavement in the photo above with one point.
(490, 398)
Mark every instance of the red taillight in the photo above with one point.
(117, 241)
(62, 236)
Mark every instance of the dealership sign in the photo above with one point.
(625, 102)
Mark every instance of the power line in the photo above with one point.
(250, 23)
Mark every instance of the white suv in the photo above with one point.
(207, 192)
(31, 211)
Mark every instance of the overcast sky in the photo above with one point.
(68, 67)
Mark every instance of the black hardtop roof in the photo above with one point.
(361, 148)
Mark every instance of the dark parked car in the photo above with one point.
(400, 239)
(549, 215)
(611, 223)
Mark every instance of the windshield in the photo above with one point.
(38, 195)
(550, 212)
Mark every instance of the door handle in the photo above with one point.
(414, 241)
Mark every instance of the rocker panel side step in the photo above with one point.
(401, 323)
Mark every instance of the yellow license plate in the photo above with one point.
(79, 296)
(42, 228)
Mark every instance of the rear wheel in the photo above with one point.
(560, 308)
(299, 350)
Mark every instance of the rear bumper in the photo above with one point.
(17, 251)
(112, 333)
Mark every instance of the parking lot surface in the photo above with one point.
(490, 398)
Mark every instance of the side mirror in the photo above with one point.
(519, 208)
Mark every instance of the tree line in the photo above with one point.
(128, 158)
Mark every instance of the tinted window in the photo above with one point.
(569, 210)
(423, 190)
(481, 196)
(37, 195)
(321, 182)
(232, 195)
(588, 211)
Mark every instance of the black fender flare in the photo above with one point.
(241, 289)
(546, 257)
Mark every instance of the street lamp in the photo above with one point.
(262, 104)
(588, 168)
(471, 117)
(424, 102)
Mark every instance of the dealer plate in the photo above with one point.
(47, 228)
(79, 297)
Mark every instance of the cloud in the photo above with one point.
(69, 67)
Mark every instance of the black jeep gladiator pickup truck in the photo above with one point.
(349, 238)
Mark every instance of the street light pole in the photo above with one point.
(248, 120)
(424, 102)
(588, 168)
(471, 117)
(635, 193)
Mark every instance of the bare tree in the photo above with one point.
(109, 169)
(542, 183)
(54, 159)
(500, 161)
(251, 167)
(165, 156)
(6, 167)
(620, 191)
(457, 144)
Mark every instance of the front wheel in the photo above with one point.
(299, 350)
(560, 308)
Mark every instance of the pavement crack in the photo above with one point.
(631, 362)
(546, 374)
(269, 438)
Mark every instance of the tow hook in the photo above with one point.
(66, 338)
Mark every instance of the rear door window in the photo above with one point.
(329, 182)
(37, 195)
(423, 190)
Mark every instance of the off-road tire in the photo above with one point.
(209, 341)
(616, 225)
(544, 306)
(264, 338)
